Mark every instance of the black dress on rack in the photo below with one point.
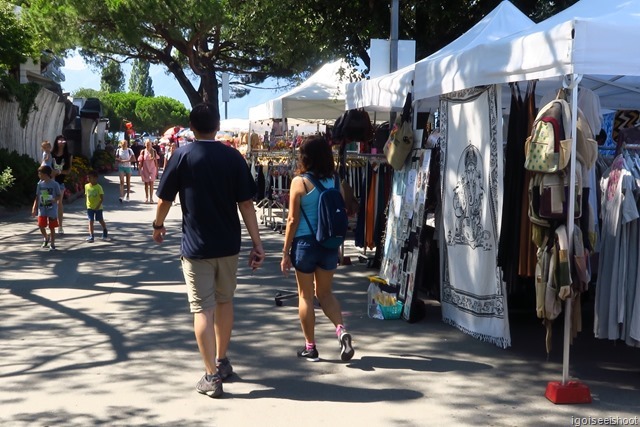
(514, 177)
(362, 213)
(260, 183)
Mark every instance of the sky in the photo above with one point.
(79, 75)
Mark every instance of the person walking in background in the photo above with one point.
(148, 161)
(124, 156)
(168, 153)
(159, 151)
(171, 147)
(211, 235)
(61, 161)
(95, 198)
(314, 264)
(47, 160)
(136, 147)
(45, 206)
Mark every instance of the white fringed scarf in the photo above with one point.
(473, 292)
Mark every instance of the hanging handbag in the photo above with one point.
(549, 194)
(400, 141)
(548, 150)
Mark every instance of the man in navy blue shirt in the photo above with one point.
(214, 182)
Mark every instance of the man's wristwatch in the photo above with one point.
(157, 227)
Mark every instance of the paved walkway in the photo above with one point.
(100, 334)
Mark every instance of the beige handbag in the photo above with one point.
(399, 144)
(400, 141)
(547, 150)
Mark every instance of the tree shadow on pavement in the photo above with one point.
(414, 362)
(301, 389)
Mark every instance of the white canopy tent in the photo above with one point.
(387, 93)
(592, 38)
(235, 125)
(319, 99)
(590, 44)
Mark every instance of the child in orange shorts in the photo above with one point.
(45, 206)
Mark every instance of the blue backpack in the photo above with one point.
(333, 221)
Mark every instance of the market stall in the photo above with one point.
(583, 49)
(402, 247)
(388, 93)
(319, 99)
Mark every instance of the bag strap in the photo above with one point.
(316, 183)
(406, 109)
(319, 187)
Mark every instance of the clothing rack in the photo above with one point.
(367, 156)
(279, 176)
(279, 166)
(271, 153)
(370, 158)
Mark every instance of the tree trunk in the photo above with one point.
(209, 89)
(192, 94)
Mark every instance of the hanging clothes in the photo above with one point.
(376, 187)
(617, 309)
(624, 119)
(527, 257)
(508, 247)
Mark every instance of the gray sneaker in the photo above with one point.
(346, 348)
(211, 385)
(224, 368)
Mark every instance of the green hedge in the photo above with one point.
(25, 171)
(103, 161)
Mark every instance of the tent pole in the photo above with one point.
(248, 155)
(393, 47)
(571, 82)
(569, 391)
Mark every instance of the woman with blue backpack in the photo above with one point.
(316, 225)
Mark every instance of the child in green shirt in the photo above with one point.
(95, 197)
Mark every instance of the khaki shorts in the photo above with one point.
(209, 280)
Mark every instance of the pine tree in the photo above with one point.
(140, 81)
(112, 80)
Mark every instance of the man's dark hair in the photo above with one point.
(205, 118)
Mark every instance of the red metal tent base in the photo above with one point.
(571, 392)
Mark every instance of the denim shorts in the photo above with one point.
(307, 255)
(124, 170)
(95, 215)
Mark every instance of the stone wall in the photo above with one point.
(44, 123)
